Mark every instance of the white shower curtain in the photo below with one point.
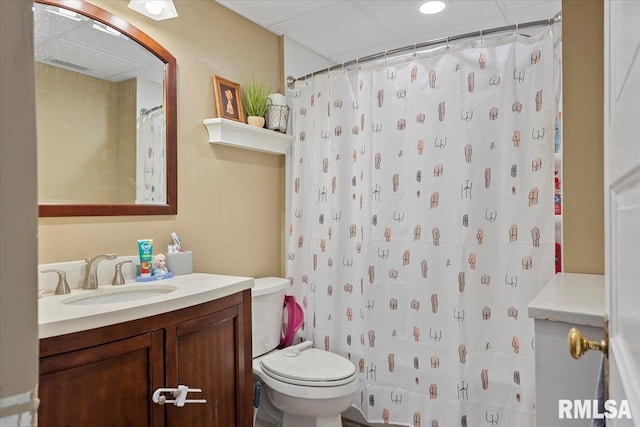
(421, 225)
(151, 158)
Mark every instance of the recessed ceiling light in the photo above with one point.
(431, 7)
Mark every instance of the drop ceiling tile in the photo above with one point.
(484, 23)
(350, 55)
(274, 12)
(95, 64)
(48, 23)
(339, 28)
(404, 19)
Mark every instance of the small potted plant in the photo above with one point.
(254, 98)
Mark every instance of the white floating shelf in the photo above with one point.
(236, 134)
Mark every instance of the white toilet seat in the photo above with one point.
(309, 368)
(311, 392)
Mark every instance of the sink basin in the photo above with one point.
(124, 294)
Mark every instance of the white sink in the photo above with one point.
(82, 309)
(124, 294)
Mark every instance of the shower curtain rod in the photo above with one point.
(414, 47)
(144, 111)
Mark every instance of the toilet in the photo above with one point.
(301, 386)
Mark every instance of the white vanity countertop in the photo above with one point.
(56, 318)
(571, 298)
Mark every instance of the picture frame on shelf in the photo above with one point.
(228, 99)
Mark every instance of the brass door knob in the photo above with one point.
(579, 345)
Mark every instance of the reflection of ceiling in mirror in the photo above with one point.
(77, 43)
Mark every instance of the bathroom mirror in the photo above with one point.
(105, 112)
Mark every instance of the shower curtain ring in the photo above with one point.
(515, 33)
(447, 42)
(414, 49)
(385, 57)
(481, 38)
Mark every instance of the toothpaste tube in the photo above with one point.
(145, 249)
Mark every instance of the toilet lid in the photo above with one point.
(312, 367)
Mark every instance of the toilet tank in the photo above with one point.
(267, 306)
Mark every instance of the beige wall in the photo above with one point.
(126, 144)
(81, 121)
(583, 167)
(230, 201)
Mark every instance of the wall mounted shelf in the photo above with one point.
(240, 135)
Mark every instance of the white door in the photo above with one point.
(622, 202)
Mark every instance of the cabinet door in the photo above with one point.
(105, 385)
(212, 353)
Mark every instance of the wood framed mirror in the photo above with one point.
(106, 115)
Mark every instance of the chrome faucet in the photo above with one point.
(118, 277)
(91, 270)
(63, 286)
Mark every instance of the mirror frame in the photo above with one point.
(171, 207)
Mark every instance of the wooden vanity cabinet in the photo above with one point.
(106, 376)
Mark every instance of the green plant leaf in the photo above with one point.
(254, 97)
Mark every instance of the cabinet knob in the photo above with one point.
(579, 344)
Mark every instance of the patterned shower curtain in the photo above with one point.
(151, 161)
(421, 225)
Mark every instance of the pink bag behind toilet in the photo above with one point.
(295, 318)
